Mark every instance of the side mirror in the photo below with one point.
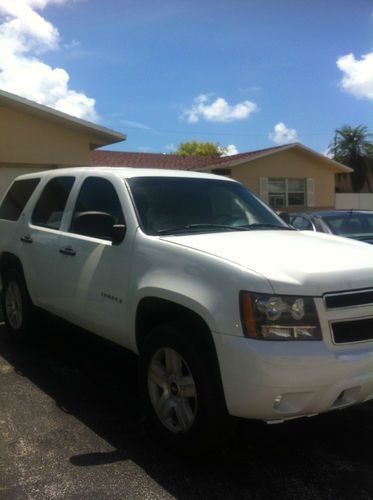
(99, 225)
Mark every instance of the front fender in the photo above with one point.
(207, 285)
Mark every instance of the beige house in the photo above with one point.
(290, 177)
(34, 137)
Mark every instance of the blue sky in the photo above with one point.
(246, 74)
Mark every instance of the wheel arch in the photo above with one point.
(154, 311)
(10, 261)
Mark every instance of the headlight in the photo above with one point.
(279, 317)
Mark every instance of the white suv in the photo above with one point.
(231, 312)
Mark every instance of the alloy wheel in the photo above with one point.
(13, 305)
(172, 390)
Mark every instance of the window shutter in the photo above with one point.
(310, 192)
(263, 186)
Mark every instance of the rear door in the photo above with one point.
(40, 240)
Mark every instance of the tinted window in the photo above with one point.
(16, 198)
(352, 224)
(99, 196)
(173, 204)
(301, 223)
(51, 205)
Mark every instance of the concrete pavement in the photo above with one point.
(71, 426)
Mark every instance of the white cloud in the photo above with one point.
(327, 153)
(71, 45)
(170, 148)
(282, 134)
(133, 124)
(24, 36)
(358, 75)
(230, 150)
(203, 108)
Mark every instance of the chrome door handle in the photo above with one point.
(68, 251)
(26, 239)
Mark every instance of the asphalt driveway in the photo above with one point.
(72, 427)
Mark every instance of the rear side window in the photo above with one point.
(49, 209)
(16, 198)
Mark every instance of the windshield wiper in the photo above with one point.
(262, 225)
(188, 227)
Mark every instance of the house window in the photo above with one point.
(284, 193)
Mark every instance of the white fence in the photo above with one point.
(362, 201)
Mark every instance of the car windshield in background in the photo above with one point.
(352, 225)
(188, 205)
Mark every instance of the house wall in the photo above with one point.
(27, 139)
(29, 144)
(290, 163)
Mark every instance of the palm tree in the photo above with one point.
(353, 147)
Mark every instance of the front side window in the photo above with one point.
(97, 209)
(16, 198)
(286, 192)
(169, 205)
(49, 209)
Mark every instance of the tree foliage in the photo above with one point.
(200, 149)
(353, 147)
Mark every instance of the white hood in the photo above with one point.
(293, 261)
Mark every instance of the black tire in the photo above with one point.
(208, 425)
(18, 309)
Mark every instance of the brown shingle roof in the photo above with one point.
(149, 160)
(198, 163)
(249, 155)
(169, 161)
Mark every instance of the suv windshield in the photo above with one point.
(172, 205)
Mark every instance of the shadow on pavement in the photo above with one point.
(329, 456)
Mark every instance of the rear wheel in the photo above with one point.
(18, 310)
(182, 391)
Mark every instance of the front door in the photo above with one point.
(93, 271)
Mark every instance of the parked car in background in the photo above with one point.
(356, 224)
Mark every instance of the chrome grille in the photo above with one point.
(348, 299)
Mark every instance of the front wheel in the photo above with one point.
(182, 391)
(17, 307)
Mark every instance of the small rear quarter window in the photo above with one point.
(16, 198)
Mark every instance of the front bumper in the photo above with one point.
(274, 381)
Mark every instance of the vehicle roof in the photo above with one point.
(126, 173)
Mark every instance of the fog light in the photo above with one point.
(277, 401)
